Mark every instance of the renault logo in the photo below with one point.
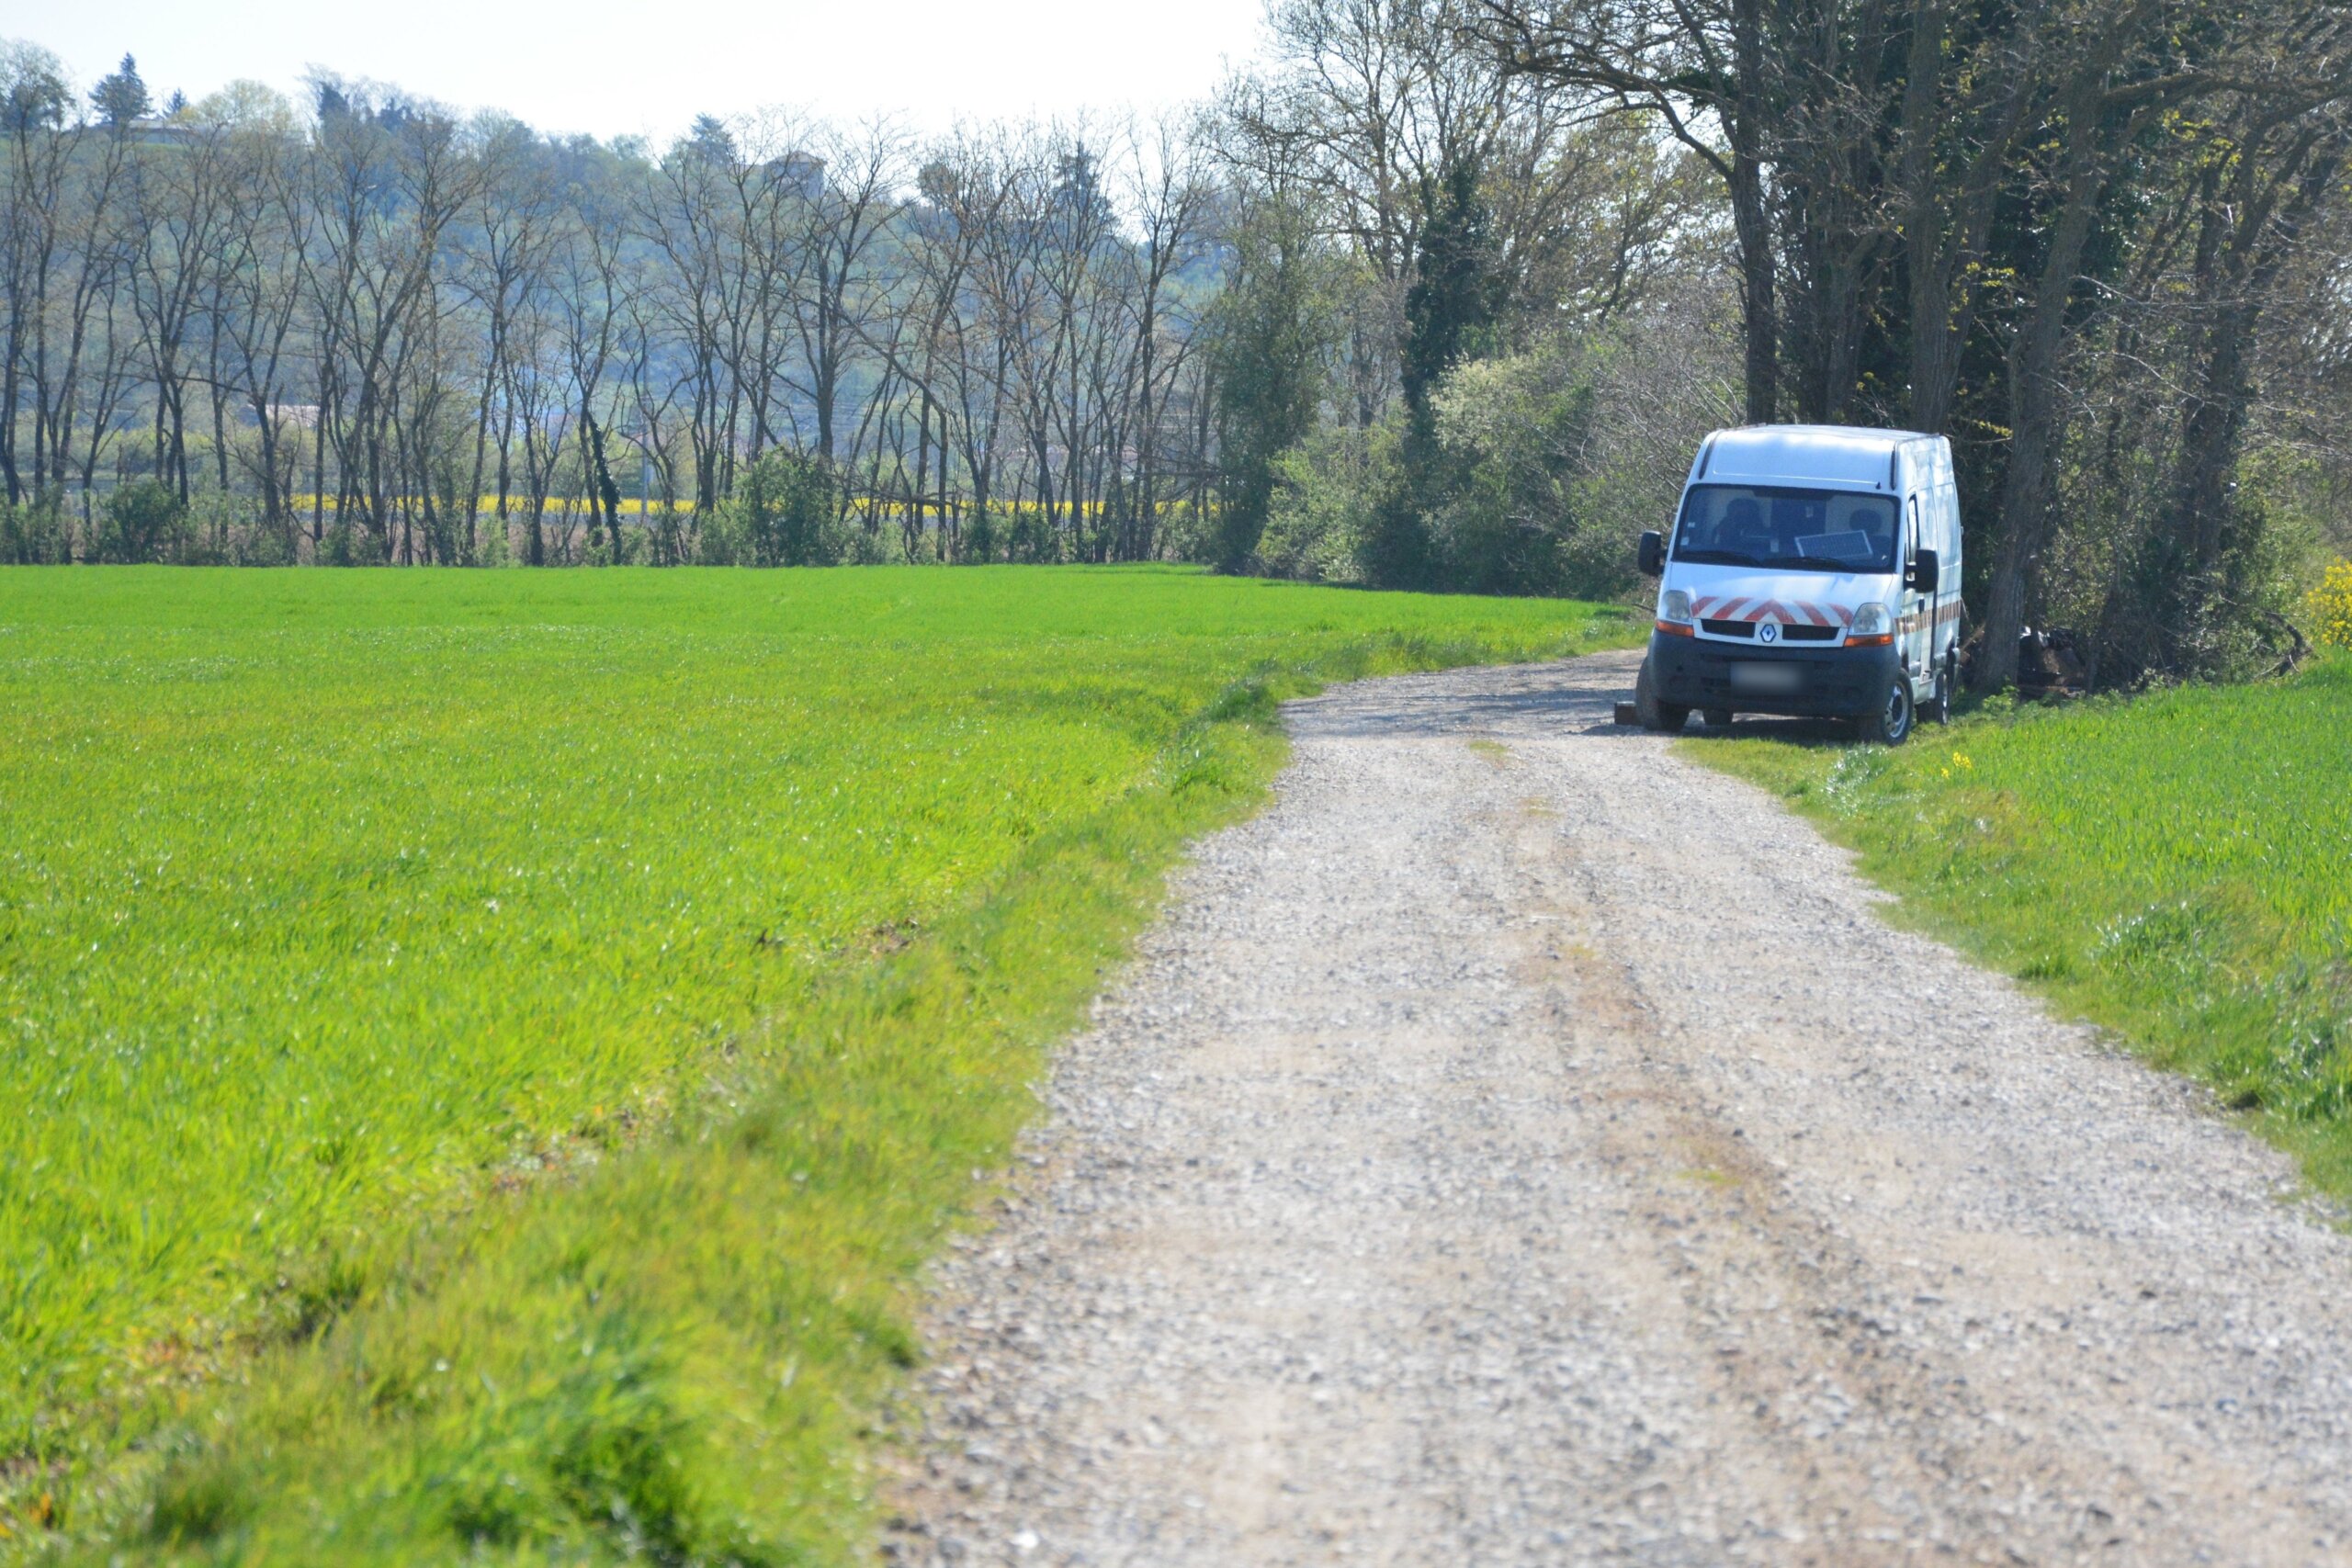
(1768, 632)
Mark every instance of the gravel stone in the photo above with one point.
(1539, 1151)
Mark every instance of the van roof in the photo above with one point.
(1838, 454)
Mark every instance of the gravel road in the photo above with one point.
(1519, 1146)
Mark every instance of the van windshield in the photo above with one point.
(1801, 530)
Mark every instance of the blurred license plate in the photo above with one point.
(1776, 680)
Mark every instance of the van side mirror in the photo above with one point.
(1925, 573)
(1653, 553)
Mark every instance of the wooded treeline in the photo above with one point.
(1436, 293)
(375, 332)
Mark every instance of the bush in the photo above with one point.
(1534, 473)
(1516, 435)
(36, 532)
(143, 522)
(2330, 606)
(491, 546)
(978, 544)
(786, 511)
(258, 545)
(1032, 541)
(1555, 459)
(1325, 489)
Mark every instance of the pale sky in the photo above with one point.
(612, 68)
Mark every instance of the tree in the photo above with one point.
(1169, 192)
(1271, 332)
(1704, 72)
(1452, 309)
(34, 103)
(121, 97)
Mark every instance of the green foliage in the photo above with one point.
(33, 90)
(786, 511)
(2172, 867)
(531, 1027)
(1271, 330)
(1517, 434)
(2133, 577)
(1537, 471)
(143, 521)
(1452, 309)
(1456, 297)
(36, 532)
(121, 97)
(1396, 549)
(978, 544)
(1030, 539)
(1325, 491)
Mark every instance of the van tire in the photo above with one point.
(1939, 708)
(1667, 718)
(1892, 724)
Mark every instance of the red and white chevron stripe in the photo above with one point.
(1786, 612)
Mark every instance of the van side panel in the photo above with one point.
(1944, 506)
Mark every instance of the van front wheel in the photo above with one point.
(1667, 718)
(1891, 725)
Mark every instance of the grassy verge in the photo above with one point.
(494, 1048)
(2177, 867)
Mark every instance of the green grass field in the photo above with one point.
(2177, 867)
(488, 1051)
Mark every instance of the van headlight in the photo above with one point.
(1871, 625)
(1674, 605)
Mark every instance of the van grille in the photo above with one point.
(1787, 633)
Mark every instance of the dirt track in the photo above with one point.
(1518, 1145)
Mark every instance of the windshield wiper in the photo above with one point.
(1718, 558)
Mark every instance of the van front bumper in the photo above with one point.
(1803, 683)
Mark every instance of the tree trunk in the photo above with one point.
(1750, 222)
(2036, 418)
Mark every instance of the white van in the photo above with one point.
(1813, 570)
